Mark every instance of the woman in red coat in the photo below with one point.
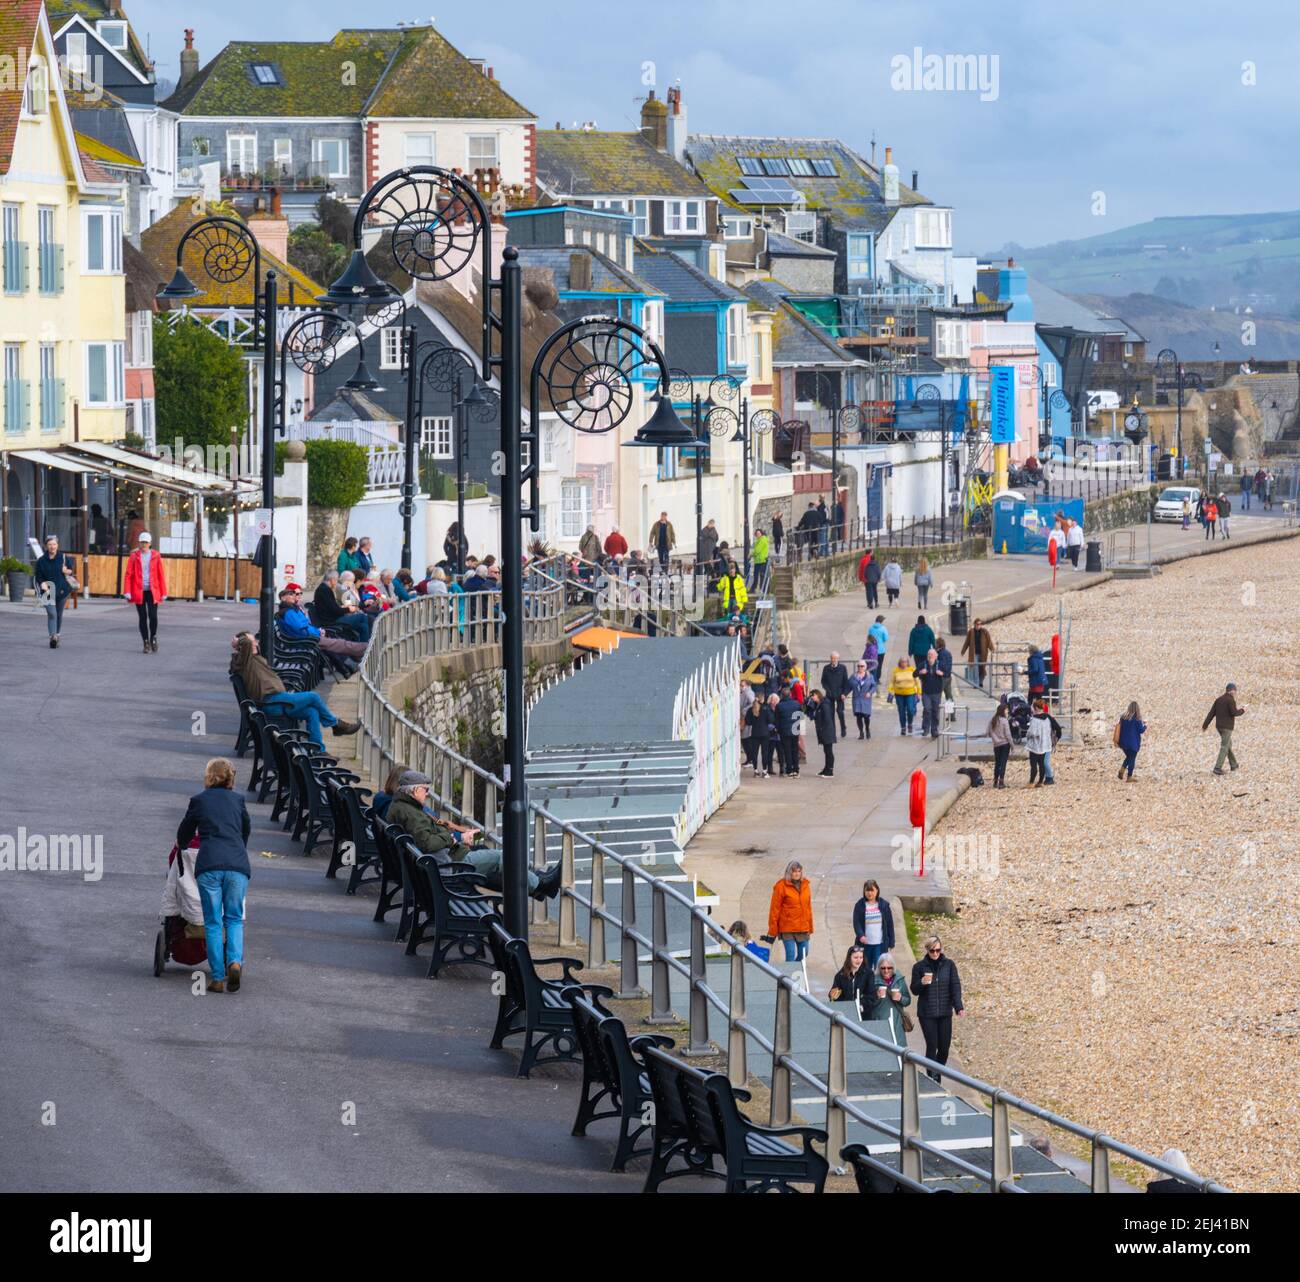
(146, 589)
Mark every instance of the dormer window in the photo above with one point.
(264, 73)
(113, 34)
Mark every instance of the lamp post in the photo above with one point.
(1170, 375)
(681, 387)
(229, 251)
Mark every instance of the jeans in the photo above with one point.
(1130, 760)
(54, 614)
(222, 894)
(147, 615)
(789, 754)
(308, 706)
(1209, 529)
(1040, 766)
(1245, 500)
(906, 704)
(873, 595)
(922, 596)
(938, 1037)
(874, 952)
(930, 714)
(1225, 750)
(356, 626)
(1223, 525)
(795, 949)
(758, 578)
(828, 753)
(1001, 752)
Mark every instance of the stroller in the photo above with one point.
(181, 938)
(1018, 714)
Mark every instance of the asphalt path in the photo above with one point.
(112, 1080)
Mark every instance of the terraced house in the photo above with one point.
(332, 116)
(62, 306)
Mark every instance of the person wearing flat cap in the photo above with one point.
(436, 838)
(145, 586)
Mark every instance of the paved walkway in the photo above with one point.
(156, 1088)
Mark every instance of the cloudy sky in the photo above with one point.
(1142, 100)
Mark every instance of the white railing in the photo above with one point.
(385, 469)
(357, 431)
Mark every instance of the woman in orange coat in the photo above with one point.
(790, 917)
(145, 586)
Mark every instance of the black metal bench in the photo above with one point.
(265, 773)
(456, 913)
(532, 1005)
(353, 835)
(313, 812)
(697, 1119)
(613, 1075)
(875, 1176)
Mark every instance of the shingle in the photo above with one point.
(17, 35)
(577, 162)
(678, 280)
(606, 275)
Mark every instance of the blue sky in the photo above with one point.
(1143, 100)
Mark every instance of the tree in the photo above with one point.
(312, 252)
(335, 220)
(200, 387)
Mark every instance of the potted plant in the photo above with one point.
(18, 575)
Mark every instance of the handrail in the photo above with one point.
(389, 735)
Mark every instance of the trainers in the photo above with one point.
(153, 644)
(54, 643)
(217, 986)
(146, 648)
(346, 727)
(233, 973)
(1217, 771)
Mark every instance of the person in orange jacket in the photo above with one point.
(145, 587)
(790, 917)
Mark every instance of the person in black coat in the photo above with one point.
(778, 533)
(937, 987)
(353, 624)
(835, 685)
(851, 979)
(823, 715)
(758, 721)
(52, 587)
(220, 818)
(789, 724)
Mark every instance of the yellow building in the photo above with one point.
(62, 301)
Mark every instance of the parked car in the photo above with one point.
(1169, 506)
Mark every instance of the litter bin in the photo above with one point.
(958, 616)
(1094, 556)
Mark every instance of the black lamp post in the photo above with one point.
(229, 252)
(681, 387)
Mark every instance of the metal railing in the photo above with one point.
(804, 546)
(388, 737)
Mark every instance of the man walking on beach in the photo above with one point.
(1224, 713)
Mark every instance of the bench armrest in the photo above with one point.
(642, 1040)
(806, 1133)
(568, 964)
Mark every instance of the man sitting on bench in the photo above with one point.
(331, 613)
(294, 621)
(266, 690)
(441, 840)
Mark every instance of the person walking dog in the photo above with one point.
(146, 588)
(220, 818)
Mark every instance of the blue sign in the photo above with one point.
(1002, 405)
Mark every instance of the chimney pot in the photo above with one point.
(915, 179)
(889, 155)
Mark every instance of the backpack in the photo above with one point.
(1056, 730)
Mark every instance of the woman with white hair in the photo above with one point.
(1176, 1158)
(347, 590)
(437, 585)
(886, 996)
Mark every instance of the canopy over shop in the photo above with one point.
(97, 498)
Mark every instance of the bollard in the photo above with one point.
(661, 1010)
(837, 1080)
(596, 955)
(780, 1111)
(629, 983)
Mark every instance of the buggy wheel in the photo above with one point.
(159, 952)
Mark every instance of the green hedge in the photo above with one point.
(336, 472)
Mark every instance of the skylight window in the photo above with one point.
(800, 165)
(264, 73)
(825, 169)
(774, 165)
(749, 165)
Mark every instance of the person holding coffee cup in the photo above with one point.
(886, 996)
(851, 980)
(937, 986)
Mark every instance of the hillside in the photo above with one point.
(1220, 260)
(1193, 331)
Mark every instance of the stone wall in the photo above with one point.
(460, 697)
(1118, 510)
(326, 529)
(826, 576)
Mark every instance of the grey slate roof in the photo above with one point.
(349, 406)
(1058, 310)
(678, 281)
(795, 339)
(784, 246)
(606, 274)
(624, 698)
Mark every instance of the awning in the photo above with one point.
(61, 461)
(98, 458)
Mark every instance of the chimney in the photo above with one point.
(270, 227)
(654, 122)
(915, 179)
(189, 60)
(889, 178)
(677, 125)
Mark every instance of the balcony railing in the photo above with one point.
(18, 404)
(16, 271)
(308, 175)
(52, 398)
(49, 260)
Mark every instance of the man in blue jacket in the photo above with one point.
(294, 621)
(881, 633)
(52, 587)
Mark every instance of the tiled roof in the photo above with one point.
(678, 281)
(405, 73)
(159, 243)
(93, 11)
(853, 197)
(574, 162)
(312, 72)
(17, 35)
(795, 339)
(430, 78)
(606, 275)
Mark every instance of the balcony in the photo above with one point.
(308, 175)
(52, 403)
(18, 404)
(16, 272)
(49, 263)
